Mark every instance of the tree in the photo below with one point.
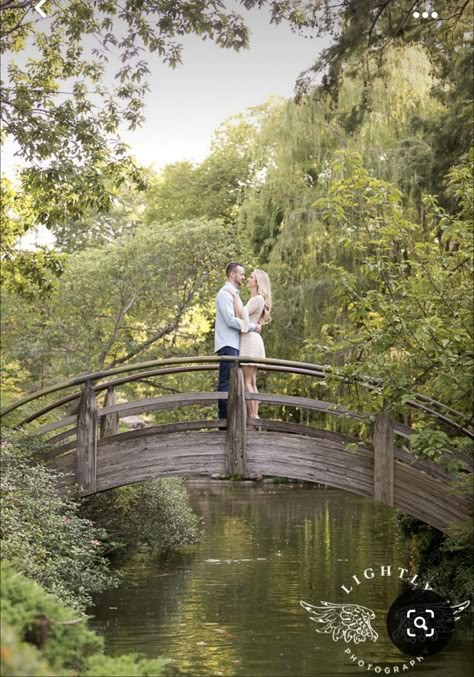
(61, 115)
(96, 228)
(137, 298)
(22, 271)
(363, 29)
(56, 105)
(63, 118)
(215, 188)
(406, 304)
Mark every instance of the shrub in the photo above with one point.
(155, 513)
(42, 533)
(68, 649)
(19, 659)
(445, 559)
(68, 642)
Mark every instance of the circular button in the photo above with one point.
(420, 622)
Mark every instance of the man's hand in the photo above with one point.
(258, 328)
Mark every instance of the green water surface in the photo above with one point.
(230, 605)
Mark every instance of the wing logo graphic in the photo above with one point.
(350, 622)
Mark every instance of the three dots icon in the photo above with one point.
(425, 15)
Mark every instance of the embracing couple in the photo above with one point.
(238, 328)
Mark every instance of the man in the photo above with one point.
(227, 329)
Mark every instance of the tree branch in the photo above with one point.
(170, 327)
(123, 311)
(159, 334)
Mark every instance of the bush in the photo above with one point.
(26, 607)
(42, 533)
(19, 659)
(67, 647)
(445, 559)
(155, 513)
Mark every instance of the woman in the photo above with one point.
(257, 310)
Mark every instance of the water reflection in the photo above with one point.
(230, 605)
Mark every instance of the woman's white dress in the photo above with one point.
(251, 342)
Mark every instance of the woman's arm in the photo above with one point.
(240, 313)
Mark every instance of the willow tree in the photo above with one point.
(299, 143)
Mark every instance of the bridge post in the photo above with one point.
(109, 425)
(86, 450)
(236, 442)
(383, 442)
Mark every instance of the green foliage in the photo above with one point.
(97, 227)
(66, 646)
(446, 560)
(155, 513)
(141, 296)
(363, 30)
(18, 658)
(22, 271)
(430, 443)
(42, 533)
(406, 302)
(299, 145)
(56, 104)
(215, 188)
(69, 642)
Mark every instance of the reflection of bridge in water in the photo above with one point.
(93, 453)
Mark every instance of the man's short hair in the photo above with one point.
(232, 267)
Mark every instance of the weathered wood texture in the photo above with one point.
(318, 460)
(161, 451)
(236, 441)
(305, 403)
(142, 406)
(384, 459)
(162, 403)
(202, 363)
(138, 458)
(429, 499)
(86, 455)
(109, 424)
(71, 432)
(310, 459)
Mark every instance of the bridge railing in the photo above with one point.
(93, 426)
(77, 438)
(100, 381)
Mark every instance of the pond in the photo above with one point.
(230, 605)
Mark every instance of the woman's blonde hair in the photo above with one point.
(264, 288)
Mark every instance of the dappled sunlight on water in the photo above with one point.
(230, 605)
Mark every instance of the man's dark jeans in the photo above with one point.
(224, 378)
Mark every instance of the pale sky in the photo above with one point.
(187, 104)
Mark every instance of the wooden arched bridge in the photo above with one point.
(88, 447)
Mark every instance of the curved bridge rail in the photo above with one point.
(96, 456)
